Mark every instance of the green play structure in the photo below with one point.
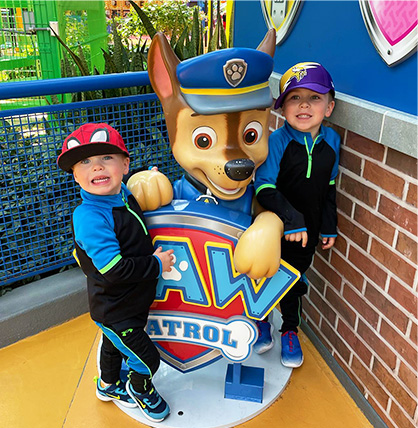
(29, 49)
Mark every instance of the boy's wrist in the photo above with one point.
(329, 235)
(160, 266)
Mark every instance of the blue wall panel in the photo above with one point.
(334, 34)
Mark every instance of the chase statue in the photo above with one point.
(217, 109)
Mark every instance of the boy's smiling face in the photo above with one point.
(101, 174)
(305, 110)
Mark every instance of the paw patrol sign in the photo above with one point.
(392, 26)
(203, 307)
(281, 15)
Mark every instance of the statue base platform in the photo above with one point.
(196, 399)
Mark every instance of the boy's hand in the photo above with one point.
(298, 236)
(327, 243)
(166, 257)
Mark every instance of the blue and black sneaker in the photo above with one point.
(292, 355)
(265, 338)
(115, 392)
(152, 405)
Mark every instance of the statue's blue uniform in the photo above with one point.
(184, 189)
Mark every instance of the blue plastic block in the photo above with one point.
(244, 383)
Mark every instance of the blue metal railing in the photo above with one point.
(37, 198)
(72, 84)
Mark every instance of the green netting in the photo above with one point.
(29, 50)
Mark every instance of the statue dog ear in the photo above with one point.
(162, 63)
(268, 44)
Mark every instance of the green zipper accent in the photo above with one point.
(134, 214)
(308, 172)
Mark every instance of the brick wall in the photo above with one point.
(362, 302)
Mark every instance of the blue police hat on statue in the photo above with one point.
(226, 81)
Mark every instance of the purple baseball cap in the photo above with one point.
(308, 75)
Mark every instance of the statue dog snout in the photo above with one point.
(239, 169)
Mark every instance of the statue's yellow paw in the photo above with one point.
(151, 189)
(257, 253)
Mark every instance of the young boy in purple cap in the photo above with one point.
(297, 182)
(115, 252)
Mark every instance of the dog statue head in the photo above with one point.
(217, 108)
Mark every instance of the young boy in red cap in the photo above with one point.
(297, 182)
(116, 254)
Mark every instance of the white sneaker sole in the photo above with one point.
(291, 365)
(266, 348)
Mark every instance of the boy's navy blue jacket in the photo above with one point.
(115, 251)
(297, 181)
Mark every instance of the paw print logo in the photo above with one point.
(234, 71)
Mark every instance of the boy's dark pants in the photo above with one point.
(291, 305)
(128, 340)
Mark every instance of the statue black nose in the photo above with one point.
(239, 169)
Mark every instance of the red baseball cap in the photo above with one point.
(90, 139)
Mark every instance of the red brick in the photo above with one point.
(394, 387)
(315, 281)
(343, 364)
(365, 146)
(322, 338)
(361, 306)
(402, 162)
(341, 244)
(354, 342)
(370, 382)
(413, 335)
(404, 296)
(338, 129)
(326, 254)
(367, 266)
(344, 204)
(408, 247)
(348, 273)
(359, 190)
(328, 273)
(336, 341)
(409, 378)
(392, 261)
(353, 232)
(411, 196)
(384, 178)
(399, 417)
(322, 306)
(380, 412)
(374, 224)
(350, 161)
(385, 307)
(401, 216)
(319, 335)
(311, 311)
(376, 344)
(407, 351)
(340, 306)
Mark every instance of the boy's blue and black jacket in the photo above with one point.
(297, 181)
(115, 251)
